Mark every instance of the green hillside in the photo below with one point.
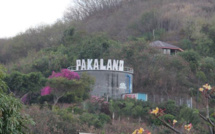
(119, 29)
(123, 29)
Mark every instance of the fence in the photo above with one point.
(179, 100)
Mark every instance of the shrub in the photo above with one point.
(96, 120)
(59, 121)
(168, 118)
(189, 116)
(170, 107)
(11, 119)
(192, 58)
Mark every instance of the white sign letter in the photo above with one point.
(109, 65)
(83, 65)
(115, 65)
(121, 65)
(89, 64)
(96, 64)
(78, 64)
(102, 67)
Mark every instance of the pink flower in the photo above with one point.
(45, 91)
(64, 73)
(105, 102)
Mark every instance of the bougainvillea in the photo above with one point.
(45, 91)
(65, 73)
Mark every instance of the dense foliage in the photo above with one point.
(112, 29)
(3, 85)
(67, 82)
(21, 84)
(11, 118)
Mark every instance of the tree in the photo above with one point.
(11, 119)
(192, 58)
(3, 85)
(59, 84)
(85, 8)
(207, 94)
(156, 73)
(21, 84)
(207, 67)
(159, 113)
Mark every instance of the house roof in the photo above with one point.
(164, 45)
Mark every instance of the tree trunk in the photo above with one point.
(207, 116)
(213, 129)
(55, 100)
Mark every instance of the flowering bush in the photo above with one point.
(188, 127)
(45, 91)
(174, 122)
(61, 83)
(157, 112)
(65, 73)
(141, 131)
(205, 88)
(97, 105)
(207, 93)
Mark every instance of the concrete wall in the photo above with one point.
(110, 83)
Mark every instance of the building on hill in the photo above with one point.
(165, 47)
(111, 79)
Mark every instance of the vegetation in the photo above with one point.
(21, 84)
(65, 82)
(11, 119)
(111, 29)
(3, 85)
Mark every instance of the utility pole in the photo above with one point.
(153, 33)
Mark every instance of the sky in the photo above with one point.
(16, 16)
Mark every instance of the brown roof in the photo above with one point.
(164, 45)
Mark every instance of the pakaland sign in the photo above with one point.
(95, 64)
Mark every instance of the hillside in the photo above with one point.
(123, 29)
(115, 29)
(177, 22)
(137, 18)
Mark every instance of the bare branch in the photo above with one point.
(207, 119)
(85, 8)
(169, 126)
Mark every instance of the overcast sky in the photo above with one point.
(18, 15)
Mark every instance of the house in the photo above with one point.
(166, 48)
